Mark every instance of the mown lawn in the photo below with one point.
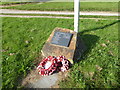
(23, 38)
(69, 6)
(99, 67)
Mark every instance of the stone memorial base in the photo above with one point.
(69, 51)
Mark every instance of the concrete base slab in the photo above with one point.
(34, 80)
(44, 82)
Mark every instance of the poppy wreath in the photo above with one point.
(51, 64)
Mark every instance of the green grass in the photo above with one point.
(69, 6)
(99, 67)
(23, 39)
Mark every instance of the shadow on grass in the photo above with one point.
(98, 28)
(85, 43)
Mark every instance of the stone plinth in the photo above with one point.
(50, 49)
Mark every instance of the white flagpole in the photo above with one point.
(76, 15)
